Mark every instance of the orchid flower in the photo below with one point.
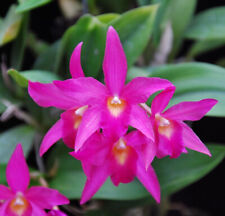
(18, 200)
(172, 135)
(66, 127)
(120, 158)
(114, 106)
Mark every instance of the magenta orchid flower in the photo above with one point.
(18, 200)
(114, 106)
(47, 95)
(172, 135)
(122, 159)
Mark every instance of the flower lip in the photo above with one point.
(165, 126)
(19, 205)
(116, 105)
(121, 151)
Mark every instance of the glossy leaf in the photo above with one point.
(34, 75)
(204, 46)
(45, 60)
(193, 81)
(107, 18)
(9, 139)
(208, 25)
(19, 44)
(10, 26)
(173, 175)
(92, 32)
(28, 5)
(135, 29)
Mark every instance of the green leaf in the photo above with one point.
(45, 59)
(135, 28)
(93, 34)
(28, 5)
(107, 18)
(208, 25)
(203, 46)
(33, 75)
(173, 175)
(9, 139)
(193, 81)
(19, 44)
(2, 170)
(10, 26)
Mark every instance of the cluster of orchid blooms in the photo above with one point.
(110, 127)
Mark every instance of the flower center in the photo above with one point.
(165, 126)
(121, 151)
(78, 116)
(116, 105)
(19, 205)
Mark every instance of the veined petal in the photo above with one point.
(161, 101)
(3, 208)
(37, 211)
(192, 141)
(75, 62)
(85, 90)
(115, 63)
(190, 111)
(51, 137)
(48, 95)
(145, 147)
(140, 120)
(17, 172)
(92, 185)
(139, 89)
(90, 123)
(5, 193)
(45, 198)
(149, 180)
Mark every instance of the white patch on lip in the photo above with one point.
(121, 144)
(116, 100)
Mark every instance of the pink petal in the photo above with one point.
(69, 132)
(140, 120)
(139, 89)
(115, 126)
(56, 213)
(90, 123)
(17, 172)
(125, 172)
(45, 198)
(149, 180)
(172, 145)
(3, 208)
(192, 111)
(92, 185)
(115, 63)
(192, 141)
(51, 137)
(48, 95)
(5, 193)
(75, 62)
(36, 211)
(85, 90)
(145, 148)
(161, 101)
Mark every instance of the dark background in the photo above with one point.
(205, 197)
